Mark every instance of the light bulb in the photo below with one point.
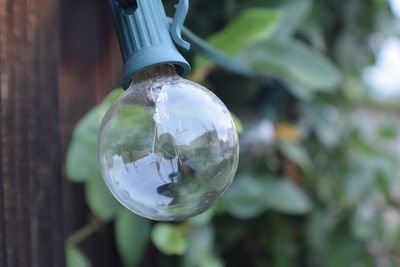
(168, 147)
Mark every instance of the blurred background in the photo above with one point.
(318, 183)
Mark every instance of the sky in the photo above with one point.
(395, 5)
(384, 76)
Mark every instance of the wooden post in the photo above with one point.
(31, 213)
(90, 66)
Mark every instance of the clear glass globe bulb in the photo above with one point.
(168, 147)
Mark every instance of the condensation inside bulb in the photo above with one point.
(168, 148)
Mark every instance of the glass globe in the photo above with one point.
(168, 147)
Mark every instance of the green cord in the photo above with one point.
(215, 55)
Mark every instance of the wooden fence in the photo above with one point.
(58, 58)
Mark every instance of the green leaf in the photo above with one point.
(294, 13)
(296, 153)
(132, 234)
(358, 185)
(169, 239)
(76, 258)
(249, 196)
(319, 225)
(366, 222)
(283, 196)
(388, 131)
(81, 161)
(201, 247)
(293, 61)
(298, 90)
(238, 123)
(325, 120)
(204, 218)
(243, 199)
(252, 25)
(100, 200)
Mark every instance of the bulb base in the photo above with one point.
(145, 38)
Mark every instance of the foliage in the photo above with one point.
(316, 185)
(76, 258)
(169, 239)
(132, 235)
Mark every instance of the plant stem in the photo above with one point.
(80, 235)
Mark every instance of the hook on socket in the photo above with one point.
(128, 6)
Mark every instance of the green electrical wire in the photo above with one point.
(215, 55)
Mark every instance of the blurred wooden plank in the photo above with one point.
(31, 215)
(90, 66)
